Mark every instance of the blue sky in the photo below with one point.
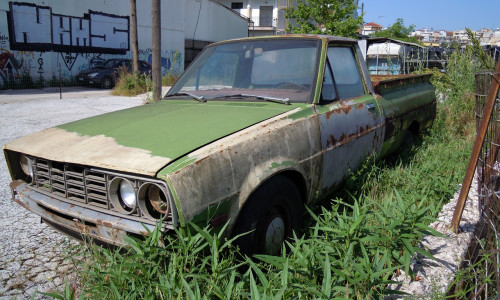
(438, 14)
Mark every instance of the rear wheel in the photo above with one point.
(269, 217)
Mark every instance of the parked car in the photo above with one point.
(252, 131)
(106, 74)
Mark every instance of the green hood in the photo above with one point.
(144, 139)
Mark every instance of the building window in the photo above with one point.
(236, 5)
(266, 16)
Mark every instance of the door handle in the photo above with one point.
(370, 106)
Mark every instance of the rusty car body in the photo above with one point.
(253, 130)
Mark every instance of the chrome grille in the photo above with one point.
(74, 183)
(86, 186)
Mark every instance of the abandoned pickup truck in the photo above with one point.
(250, 133)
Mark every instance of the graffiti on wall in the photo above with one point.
(95, 32)
(171, 60)
(9, 66)
(39, 46)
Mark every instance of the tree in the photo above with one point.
(398, 31)
(450, 43)
(332, 17)
(156, 45)
(133, 37)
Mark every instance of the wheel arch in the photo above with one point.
(295, 175)
(262, 204)
(414, 127)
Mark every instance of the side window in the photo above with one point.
(328, 92)
(345, 72)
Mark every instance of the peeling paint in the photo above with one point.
(63, 146)
(285, 164)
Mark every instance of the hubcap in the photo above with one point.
(275, 235)
(107, 83)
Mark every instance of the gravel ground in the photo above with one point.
(30, 252)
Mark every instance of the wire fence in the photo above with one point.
(482, 277)
(489, 188)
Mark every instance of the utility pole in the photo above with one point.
(156, 18)
(135, 44)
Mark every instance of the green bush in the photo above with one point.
(130, 84)
(169, 79)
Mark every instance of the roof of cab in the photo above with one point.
(329, 38)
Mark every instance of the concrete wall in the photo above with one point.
(39, 38)
(209, 21)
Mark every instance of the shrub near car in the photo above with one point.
(250, 133)
(106, 74)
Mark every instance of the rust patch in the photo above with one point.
(331, 141)
(360, 105)
(15, 184)
(344, 108)
(20, 203)
(201, 160)
(329, 114)
(107, 224)
(101, 222)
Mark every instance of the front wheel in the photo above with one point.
(270, 215)
(107, 82)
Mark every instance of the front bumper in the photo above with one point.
(95, 81)
(76, 221)
(82, 79)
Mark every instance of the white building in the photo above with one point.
(370, 28)
(266, 17)
(40, 38)
(489, 37)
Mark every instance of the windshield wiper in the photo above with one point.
(285, 101)
(198, 98)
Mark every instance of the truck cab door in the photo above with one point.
(350, 117)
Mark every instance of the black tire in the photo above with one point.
(274, 207)
(107, 82)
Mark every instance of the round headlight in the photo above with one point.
(153, 201)
(122, 195)
(26, 165)
(127, 194)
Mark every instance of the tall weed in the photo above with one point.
(130, 84)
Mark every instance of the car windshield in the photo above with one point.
(283, 69)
